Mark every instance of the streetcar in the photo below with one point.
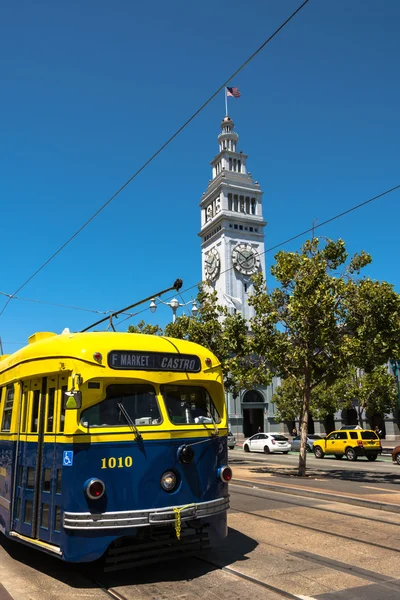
(113, 446)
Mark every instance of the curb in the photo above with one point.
(332, 496)
(386, 451)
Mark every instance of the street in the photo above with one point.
(383, 463)
(280, 544)
(371, 484)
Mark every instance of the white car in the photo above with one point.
(231, 441)
(267, 442)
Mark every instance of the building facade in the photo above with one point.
(232, 247)
(232, 250)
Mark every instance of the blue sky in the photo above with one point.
(91, 89)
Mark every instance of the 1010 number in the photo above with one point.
(119, 463)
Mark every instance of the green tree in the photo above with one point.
(146, 328)
(321, 319)
(288, 400)
(374, 391)
(225, 335)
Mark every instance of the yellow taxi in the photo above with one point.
(350, 442)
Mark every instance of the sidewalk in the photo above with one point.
(376, 490)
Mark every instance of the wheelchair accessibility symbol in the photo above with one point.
(68, 458)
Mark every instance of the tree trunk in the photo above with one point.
(359, 404)
(304, 427)
(360, 410)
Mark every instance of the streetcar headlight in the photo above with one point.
(168, 481)
(94, 489)
(225, 474)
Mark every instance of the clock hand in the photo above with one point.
(241, 254)
(246, 259)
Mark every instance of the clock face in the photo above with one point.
(245, 259)
(212, 264)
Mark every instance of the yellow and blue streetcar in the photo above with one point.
(113, 444)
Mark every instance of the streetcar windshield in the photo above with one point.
(189, 405)
(139, 401)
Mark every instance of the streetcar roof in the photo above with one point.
(84, 345)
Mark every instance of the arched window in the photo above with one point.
(253, 396)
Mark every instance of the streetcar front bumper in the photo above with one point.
(143, 518)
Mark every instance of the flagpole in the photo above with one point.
(226, 103)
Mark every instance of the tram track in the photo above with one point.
(138, 587)
(110, 593)
(157, 589)
(216, 577)
(315, 530)
(302, 501)
(116, 595)
(349, 538)
(251, 579)
(224, 575)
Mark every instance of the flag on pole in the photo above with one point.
(233, 91)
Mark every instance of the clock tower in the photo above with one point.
(232, 225)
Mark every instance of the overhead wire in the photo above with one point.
(91, 310)
(280, 244)
(291, 239)
(196, 285)
(194, 115)
(342, 214)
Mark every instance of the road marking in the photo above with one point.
(370, 487)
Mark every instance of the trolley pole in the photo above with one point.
(177, 286)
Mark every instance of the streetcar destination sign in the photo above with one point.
(154, 361)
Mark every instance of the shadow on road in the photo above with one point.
(88, 575)
(235, 548)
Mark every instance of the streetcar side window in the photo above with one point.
(8, 406)
(51, 394)
(123, 405)
(24, 408)
(35, 411)
(62, 413)
(189, 405)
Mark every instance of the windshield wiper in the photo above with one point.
(214, 423)
(138, 435)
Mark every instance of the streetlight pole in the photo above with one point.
(395, 364)
(174, 305)
(235, 397)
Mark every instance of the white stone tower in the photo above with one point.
(232, 225)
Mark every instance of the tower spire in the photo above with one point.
(232, 224)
